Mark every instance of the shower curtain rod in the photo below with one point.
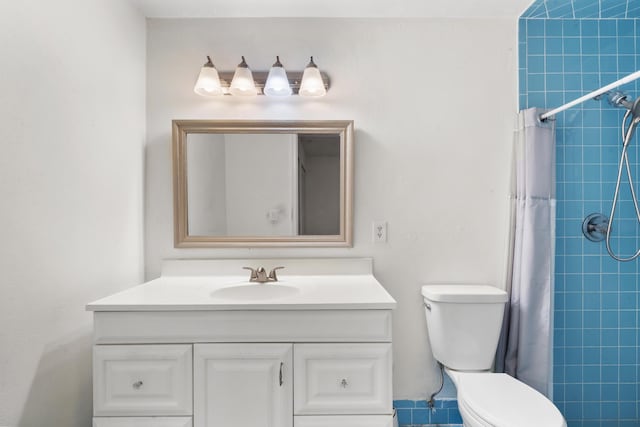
(631, 77)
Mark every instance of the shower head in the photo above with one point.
(619, 99)
(634, 114)
(635, 108)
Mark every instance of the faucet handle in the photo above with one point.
(272, 274)
(254, 273)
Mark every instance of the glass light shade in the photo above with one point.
(242, 83)
(312, 84)
(277, 83)
(208, 83)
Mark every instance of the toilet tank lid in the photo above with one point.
(463, 293)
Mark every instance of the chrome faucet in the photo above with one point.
(260, 274)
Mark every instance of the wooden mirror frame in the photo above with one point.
(181, 128)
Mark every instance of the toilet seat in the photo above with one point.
(499, 400)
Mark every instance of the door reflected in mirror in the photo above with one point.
(262, 183)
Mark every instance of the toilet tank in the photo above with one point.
(464, 323)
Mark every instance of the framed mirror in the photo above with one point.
(262, 183)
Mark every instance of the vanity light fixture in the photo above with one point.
(208, 83)
(276, 83)
(242, 83)
(312, 84)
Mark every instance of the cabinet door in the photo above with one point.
(343, 421)
(138, 380)
(141, 422)
(348, 379)
(243, 385)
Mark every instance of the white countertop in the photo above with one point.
(179, 291)
(324, 292)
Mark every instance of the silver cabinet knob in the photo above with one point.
(137, 385)
(344, 383)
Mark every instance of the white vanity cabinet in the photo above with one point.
(142, 422)
(130, 380)
(181, 360)
(243, 385)
(346, 378)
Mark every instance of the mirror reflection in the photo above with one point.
(263, 184)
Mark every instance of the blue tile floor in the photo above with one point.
(416, 413)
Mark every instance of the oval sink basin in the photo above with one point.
(255, 292)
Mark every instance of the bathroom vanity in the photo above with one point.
(202, 346)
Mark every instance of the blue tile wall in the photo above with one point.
(596, 334)
(583, 9)
(415, 413)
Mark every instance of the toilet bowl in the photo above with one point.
(499, 400)
(464, 323)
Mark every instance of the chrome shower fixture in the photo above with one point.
(619, 99)
(594, 227)
(597, 227)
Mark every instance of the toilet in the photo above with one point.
(464, 324)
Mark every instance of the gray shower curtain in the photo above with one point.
(526, 344)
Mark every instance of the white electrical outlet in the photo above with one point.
(380, 231)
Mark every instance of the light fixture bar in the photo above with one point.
(260, 78)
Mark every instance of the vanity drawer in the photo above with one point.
(343, 421)
(142, 422)
(342, 379)
(130, 380)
